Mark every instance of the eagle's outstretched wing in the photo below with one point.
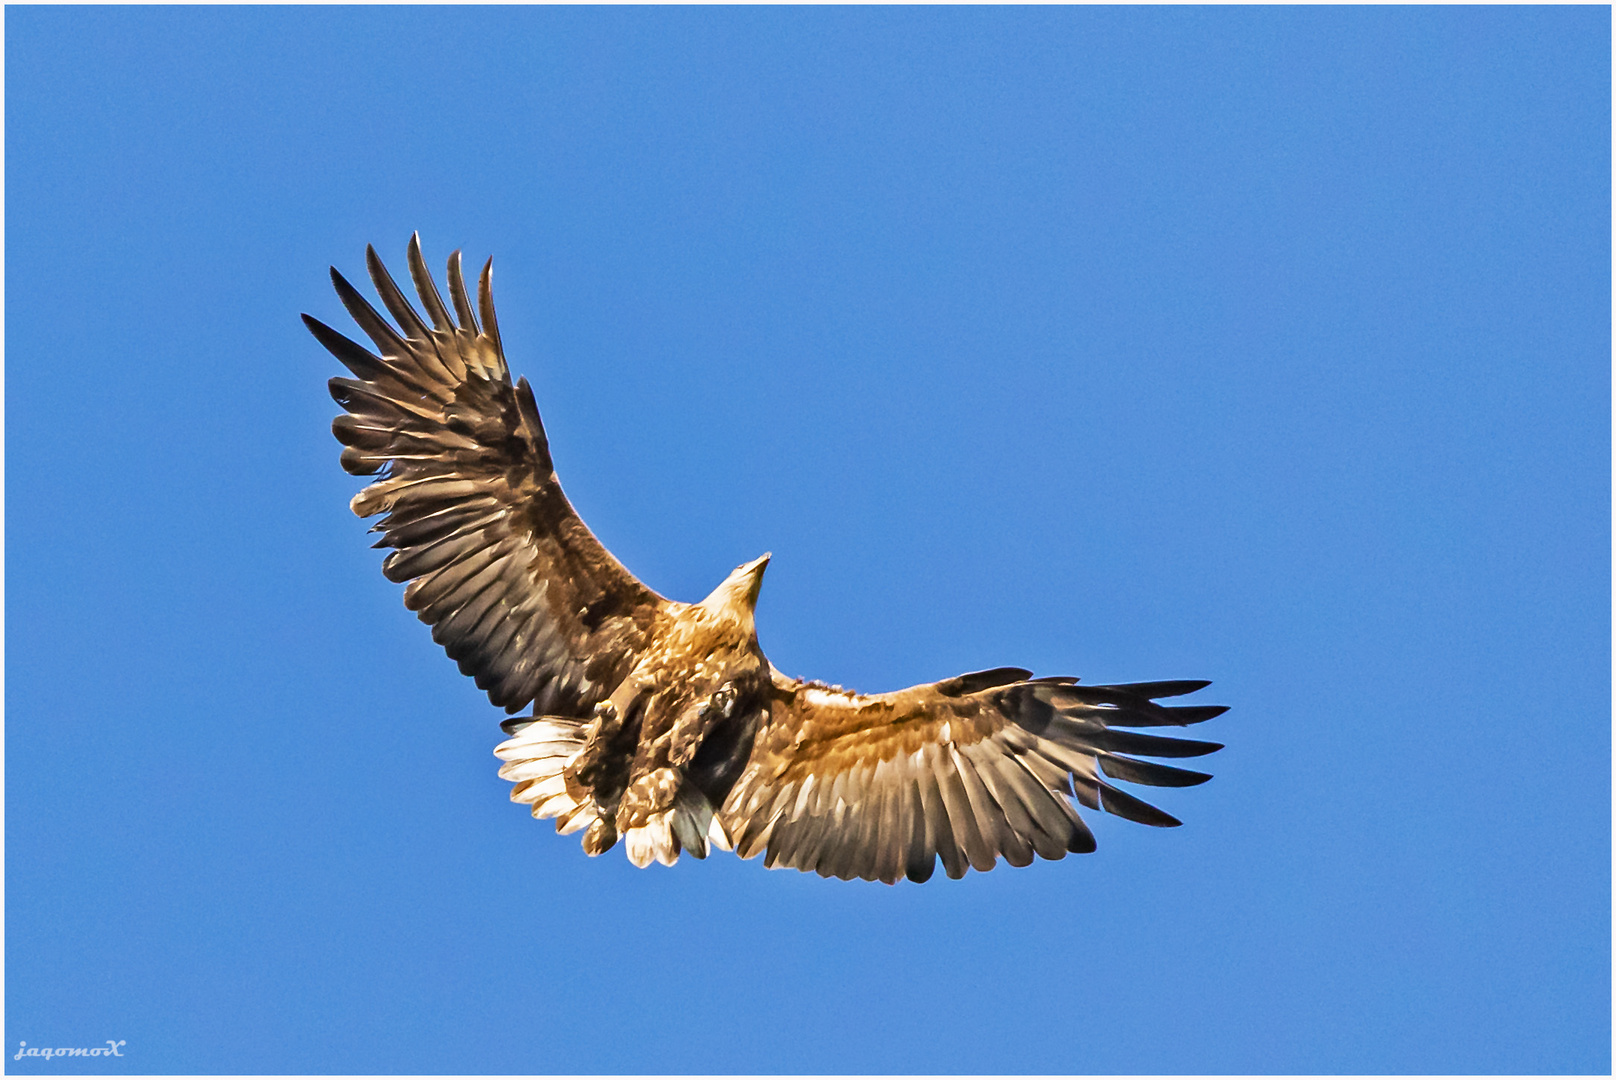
(515, 586)
(878, 786)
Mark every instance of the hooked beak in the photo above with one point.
(754, 570)
(739, 591)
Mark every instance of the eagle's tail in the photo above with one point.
(534, 759)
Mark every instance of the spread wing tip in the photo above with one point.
(493, 553)
(963, 772)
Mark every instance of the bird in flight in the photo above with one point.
(660, 723)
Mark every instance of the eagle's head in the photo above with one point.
(736, 596)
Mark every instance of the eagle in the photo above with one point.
(662, 724)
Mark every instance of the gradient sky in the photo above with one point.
(1263, 345)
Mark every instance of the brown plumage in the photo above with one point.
(663, 723)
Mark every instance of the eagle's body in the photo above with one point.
(663, 723)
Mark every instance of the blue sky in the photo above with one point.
(1269, 346)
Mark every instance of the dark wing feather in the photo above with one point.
(968, 770)
(515, 586)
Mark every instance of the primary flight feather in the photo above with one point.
(661, 723)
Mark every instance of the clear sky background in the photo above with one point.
(1269, 346)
